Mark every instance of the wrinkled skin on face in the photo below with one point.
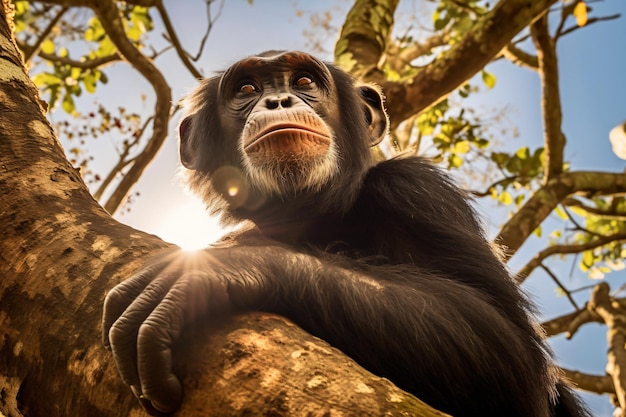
(286, 135)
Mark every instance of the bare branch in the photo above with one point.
(211, 21)
(31, 50)
(85, 64)
(612, 213)
(173, 38)
(599, 384)
(123, 160)
(558, 282)
(495, 184)
(591, 21)
(570, 323)
(520, 57)
(537, 260)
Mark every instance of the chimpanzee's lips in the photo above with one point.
(289, 137)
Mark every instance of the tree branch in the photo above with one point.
(454, 67)
(173, 38)
(364, 36)
(520, 57)
(558, 282)
(537, 260)
(591, 21)
(111, 21)
(615, 318)
(31, 50)
(553, 138)
(399, 58)
(615, 213)
(87, 64)
(515, 232)
(599, 384)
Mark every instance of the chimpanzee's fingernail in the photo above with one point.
(145, 403)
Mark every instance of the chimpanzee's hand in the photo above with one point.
(144, 315)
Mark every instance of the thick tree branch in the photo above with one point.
(365, 35)
(458, 64)
(553, 138)
(515, 232)
(615, 318)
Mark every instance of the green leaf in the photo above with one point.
(68, 104)
(462, 146)
(580, 13)
(505, 198)
(587, 260)
(481, 143)
(95, 32)
(488, 78)
(537, 232)
(107, 47)
(45, 79)
(522, 153)
(89, 81)
(75, 73)
(455, 161)
(556, 234)
(500, 158)
(47, 46)
(561, 213)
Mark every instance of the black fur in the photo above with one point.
(387, 261)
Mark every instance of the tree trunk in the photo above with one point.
(59, 254)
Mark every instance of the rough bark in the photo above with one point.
(59, 254)
(614, 315)
(554, 139)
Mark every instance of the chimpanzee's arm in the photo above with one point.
(413, 323)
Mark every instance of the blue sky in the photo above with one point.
(593, 87)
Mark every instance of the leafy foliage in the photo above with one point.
(66, 78)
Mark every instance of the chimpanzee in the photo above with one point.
(385, 260)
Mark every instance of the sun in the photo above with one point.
(190, 227)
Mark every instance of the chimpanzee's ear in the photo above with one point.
(185, 149)
(375, 114)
